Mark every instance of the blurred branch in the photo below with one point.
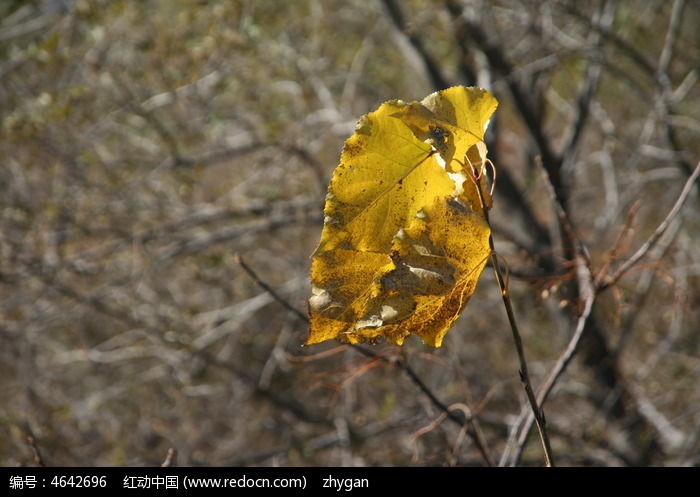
(223, 154)
(223, 322)
(468, 30)
(671, 36)
(204, 84)
(606, 30)
(413, 46)
(170, 460)
(18, 26)
(642, 290)
(148, 113)
(657, 75)
(539, 240)
(671, 438)
(200, 216)
(356, 72)
(267, 225)
(588, 288)
(320, 442)
(422, 431)
(666, 99)
(277, 399)
(654, 238)
(604, 17)
(38, 459)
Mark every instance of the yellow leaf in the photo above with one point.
(404, 237)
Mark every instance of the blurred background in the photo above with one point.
(143, 145)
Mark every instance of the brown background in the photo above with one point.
(144, 144)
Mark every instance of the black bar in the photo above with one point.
(430, 482)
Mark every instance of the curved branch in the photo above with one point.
(654, 238)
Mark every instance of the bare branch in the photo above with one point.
(418, 51)
(671, 37)
(588, 297)
(517, 339)
(38, 459)
(249, 271)
(400, 364)
(470, 31)
(606, 16)
(654, 238)
(203, 242)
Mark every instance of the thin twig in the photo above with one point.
(462, 420)
(642, 290)
(269, 289)
(424, 430)
(654, 238)
(588, 289)
(464, 409)
(524, 375)
(588, 294)
(622, 239)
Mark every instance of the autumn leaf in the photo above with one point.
(404, 237)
